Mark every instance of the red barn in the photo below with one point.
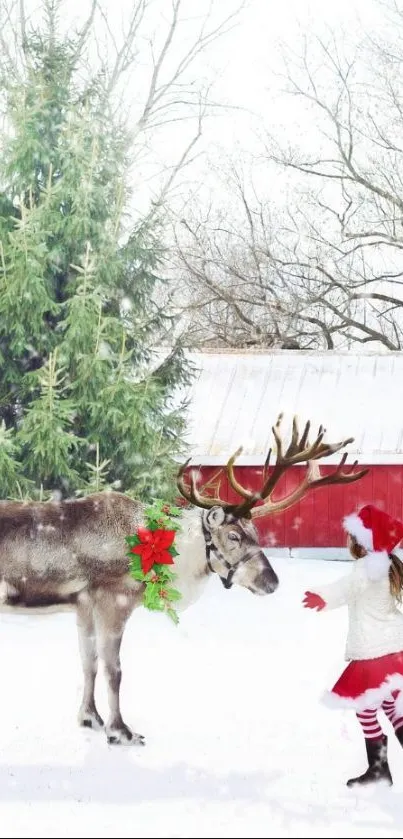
(236, 398)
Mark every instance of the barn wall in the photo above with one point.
(316, 520)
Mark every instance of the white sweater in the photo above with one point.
(375, 624)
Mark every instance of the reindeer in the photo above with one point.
(72, 554)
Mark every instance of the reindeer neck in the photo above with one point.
(191, 564)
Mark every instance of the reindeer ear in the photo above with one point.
(213, 518)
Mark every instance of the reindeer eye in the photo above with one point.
(234, 536)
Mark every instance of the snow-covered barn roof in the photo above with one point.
(237, 396)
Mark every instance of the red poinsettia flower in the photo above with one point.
(153, 547)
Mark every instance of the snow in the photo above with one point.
(238, 741)
(241, 386)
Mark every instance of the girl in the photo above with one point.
(373, 679)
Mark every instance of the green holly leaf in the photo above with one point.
(132, 540)
(174, 594)
(175, 511)
(137, 575)
(135, 564)
(158, 568)
(164, 571)
(156, 606)
(151, 598)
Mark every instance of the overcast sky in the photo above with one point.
(242, 64)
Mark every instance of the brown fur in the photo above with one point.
(73, 554)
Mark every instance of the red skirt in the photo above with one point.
(367, 683)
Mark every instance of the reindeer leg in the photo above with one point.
(88, 715)
(112, 612)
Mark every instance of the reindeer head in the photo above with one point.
(233, 552)
(232, 544)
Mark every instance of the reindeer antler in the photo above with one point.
(299, 451)
(193, 495)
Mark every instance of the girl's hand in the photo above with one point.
(313, 601)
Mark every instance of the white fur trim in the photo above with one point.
(371, 698)
(353, 525)
(377, 565)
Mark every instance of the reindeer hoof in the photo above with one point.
(124, 735)
(91, 720)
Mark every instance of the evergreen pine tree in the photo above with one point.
(79, 406)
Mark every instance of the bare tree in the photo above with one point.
(148, 63)
(324, 267)
(353, 176)
(244, 279)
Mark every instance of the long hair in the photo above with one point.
(395, 570)
(356, 550)
(396, 577)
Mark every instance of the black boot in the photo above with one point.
(378, 767)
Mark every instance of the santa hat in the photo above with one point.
(379, 534)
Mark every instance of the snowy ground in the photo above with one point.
(238, 744)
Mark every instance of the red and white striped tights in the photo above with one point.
(368, 719)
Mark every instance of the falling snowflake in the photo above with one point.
(122, 600)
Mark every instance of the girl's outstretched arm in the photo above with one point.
(329, 596)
